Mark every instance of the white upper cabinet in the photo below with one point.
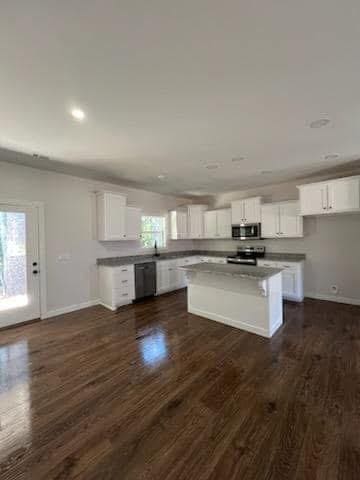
(196, 221)
(217, 223)
(335, 196)
(270, 220)
(178, 224)
(246, 211)
(343, 195)
(223, 219)
(313, 199)
(115, 220)
(281, 220)
(210, 224)
(111, 213)
(133, 223)
(290, 220)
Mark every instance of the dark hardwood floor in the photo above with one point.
(152, 392)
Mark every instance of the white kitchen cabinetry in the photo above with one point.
(196, 221)
(170, 277)
(217, 223)
(179, 224)
(116, 221)
(246, 211)
(292, 278)
(281, 220)
(111, 213)
(224, 223)
(116, 285)
(341, 195)
(133, 223)
(210, 224)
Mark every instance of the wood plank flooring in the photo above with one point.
(152, 392)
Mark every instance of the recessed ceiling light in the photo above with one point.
(161, 177)
(212, 166)
(237, 159)
(332, 156)
(78, 114)
(321, 122)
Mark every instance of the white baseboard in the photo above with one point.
(69, 309)
(333, 298)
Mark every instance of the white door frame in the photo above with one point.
(39, 206)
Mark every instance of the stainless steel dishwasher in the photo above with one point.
(145, 280)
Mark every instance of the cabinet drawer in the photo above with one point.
(123, 282)
(123, 294)
(124, 269)
(123, 273)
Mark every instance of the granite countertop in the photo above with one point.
(241, 271)
(132, 259)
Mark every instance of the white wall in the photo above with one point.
(331, 244)
(70, 227)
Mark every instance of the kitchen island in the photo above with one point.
(245, 297)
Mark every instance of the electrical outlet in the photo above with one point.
(334, 289)
(64, 257)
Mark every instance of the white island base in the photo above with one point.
(246, 303)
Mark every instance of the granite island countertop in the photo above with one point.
(132, 259)
(249, 272)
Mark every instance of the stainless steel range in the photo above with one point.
(247, 255)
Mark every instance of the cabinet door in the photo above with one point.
(224, 223)
(210, 224)
(313, 199)
(289, 283)
(162, 276)
(237, 212)
(291, 224)
(182, 224)
(196, 222)
(252, 210)
(174, 233)
(133, 223)
(343, 195)
(174, 276)
(114, 212)
(270, 221)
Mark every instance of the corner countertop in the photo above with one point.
(132, 259)
(240, 271)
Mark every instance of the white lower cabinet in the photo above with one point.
(292, 278)
(116, 285)
(170, 277)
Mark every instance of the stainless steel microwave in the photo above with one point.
(250, 231)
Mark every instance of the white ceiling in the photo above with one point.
(169, 87)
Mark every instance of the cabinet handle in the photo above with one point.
(124, 270)
(124, 294)
(125, 281)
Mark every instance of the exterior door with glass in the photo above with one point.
(19, 264)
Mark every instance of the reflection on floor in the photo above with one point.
(15, 431)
